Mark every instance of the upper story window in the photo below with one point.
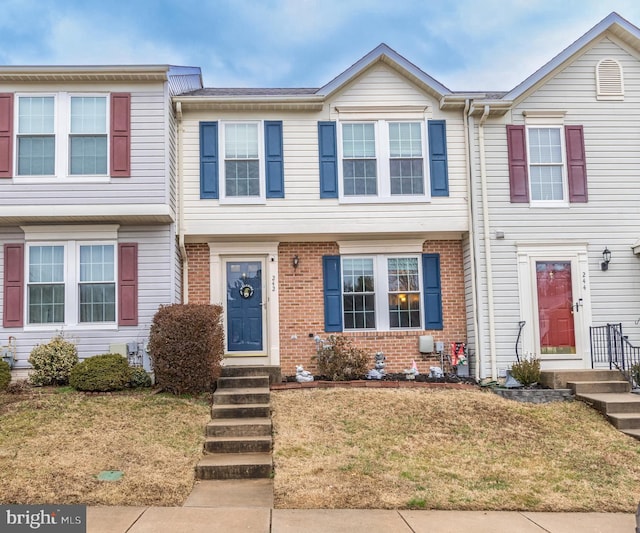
(546, 164)
(383, 159)
(71, 136)
(242, 165)
(36, 136)
(88, 136)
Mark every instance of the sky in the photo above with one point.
(467, 45)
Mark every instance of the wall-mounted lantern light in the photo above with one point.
(606, 257)
(296, 261)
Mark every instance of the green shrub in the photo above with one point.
(186, 343)
(527, 371)
(339, 360)
(52, 362)
(5, 375)
(635, 374)
(106, 372)
(139, 378)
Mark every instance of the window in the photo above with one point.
(546, 164)
(71, 283)
(383, 159)
(88, 136)
(388, 284)
(241, 160)
(65, 135)
(36, 136)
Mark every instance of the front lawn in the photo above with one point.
(466, 450)
(55, 442)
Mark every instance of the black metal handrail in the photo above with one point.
(609, 345)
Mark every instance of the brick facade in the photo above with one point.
(199, 273)
(302, 309)
(302, 304)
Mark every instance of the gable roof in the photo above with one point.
(385, 54)
(613, 23)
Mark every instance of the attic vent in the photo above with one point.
(610, 85)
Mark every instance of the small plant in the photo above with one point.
(340, 360)
(101, 373)
(635, 374)
(5, 375)
(52, 362)
(139, 378)
(18, 387)
(527, 371)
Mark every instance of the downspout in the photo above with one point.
(183, 249)
(487, 243)
(472, 248)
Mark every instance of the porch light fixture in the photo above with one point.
(606, 257)
(296, 261)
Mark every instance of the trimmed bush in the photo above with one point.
(340, 360)
(5, 375)
(52, 362)
(101, 373)
(527, 371)
(139, 378)
(186, 343)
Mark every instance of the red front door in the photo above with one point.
(555, 301)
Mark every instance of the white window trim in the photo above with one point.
(381, 290)
(383, 173)
(245, 200)
(62, 133)
(551, 124)
(71, 286)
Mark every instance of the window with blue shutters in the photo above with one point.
(241, 161)
(383, 160)
(382, 292)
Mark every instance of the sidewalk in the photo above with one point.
(265, 520)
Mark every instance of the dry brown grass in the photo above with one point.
(53, 445)
(467, 450)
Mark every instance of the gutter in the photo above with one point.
(487, 243)
(180, 191)
(472, 247)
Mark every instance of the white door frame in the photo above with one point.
(267, 252)
(528, 254)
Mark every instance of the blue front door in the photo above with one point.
(244, 306)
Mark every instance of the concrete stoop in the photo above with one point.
(238, 438)
(606, 391)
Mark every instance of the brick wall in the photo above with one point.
(302, 309)
(199, 273)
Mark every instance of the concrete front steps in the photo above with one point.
(238, 437)
(604, 390)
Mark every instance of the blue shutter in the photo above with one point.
(209, 160)
(328, 151)
(432, 291)
(274, 158)
(438, 171)
(332, 293)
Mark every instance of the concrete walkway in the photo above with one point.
(265, 520)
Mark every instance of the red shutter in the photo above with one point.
(120, 135)
(13, 311)
(6, 135)
(518, 173)
(576, 164)
(128, 284)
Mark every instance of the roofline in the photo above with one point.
(600, 28)
(378, 53)
(87, 72)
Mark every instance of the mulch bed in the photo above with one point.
(390, 381)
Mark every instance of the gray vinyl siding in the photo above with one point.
(147, 184)
(611, 218)
(155, 287)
